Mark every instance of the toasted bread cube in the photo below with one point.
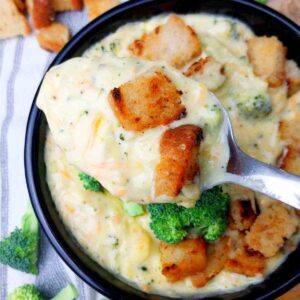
(290, 125)
(98, 7)
(184, 259)
(146, 102)
(244, 260)
(42, 13)
(242, 215)
(209, 71)
(174, 42)
(21, 5)
(12, 22)
(268, 57)
(63, 5)
(217, 257)
(270, 229)
(29, 6)
(54, 37)
(179, 148)
(290, 161)
(293, 77)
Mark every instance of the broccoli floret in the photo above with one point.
(30, 292)
(20, 249)
(209, 216)
(90, 183)
(171, 222)
(26, 292)
(167, 222)
(256, 107)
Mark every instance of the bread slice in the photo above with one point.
(12, 21)
(98, 7)
(179, 148)
(174, 42)
(63, 5)
(146, 102)
(54, 37)
(42, 13)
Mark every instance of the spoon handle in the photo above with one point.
(264, 178)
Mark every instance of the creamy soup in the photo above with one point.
(87, 137)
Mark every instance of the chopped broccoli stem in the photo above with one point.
(20, 249)
(171, 222)
(256, 107)
(67, 293)
(133, 209)
(30, 292)
(90, 183)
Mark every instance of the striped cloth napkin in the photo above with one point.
(22, 65)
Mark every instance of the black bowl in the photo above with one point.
(263, 21)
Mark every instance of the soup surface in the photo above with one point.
(85, 135)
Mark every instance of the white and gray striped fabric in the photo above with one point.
(22, 65)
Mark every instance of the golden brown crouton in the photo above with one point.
(292, 77)
(29, 6)
(53, 37)
(174, 42)
(290, 161)
(184, 259)
(146, 102)
(275, 224)
(63, 5)
(217, 256)
(21, 5)
(290, 125)
(98, 7)
(207, 70)
(267, 55)
(12, 22)
(42, 13)
(241, 216)
(179, 148)
(244, 260)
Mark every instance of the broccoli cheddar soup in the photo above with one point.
(135, 135)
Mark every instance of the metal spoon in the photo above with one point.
(246, 171)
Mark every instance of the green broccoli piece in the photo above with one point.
(262, 1)
(30, 292)
(209, 216)
(167, 222)
(171, 222)
(20, 249)
(256, 107)
(90, 183)
(25, 292)
(133, 209)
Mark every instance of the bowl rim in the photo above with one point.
(32, 119)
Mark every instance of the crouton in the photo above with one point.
(209, 71)
(98, 7)
(179, 148)
(241, 215)
(184, 259)
(270, 229)
(217, 256)
(290, 161)
(29, 6)
(268, 57)
(42, 13)
(244, 260)
(63, 5)
(54, 37)
(21, 5)
(292, 77)
(12, 22)
(290, 125)
(174, 42)
(146, 102)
